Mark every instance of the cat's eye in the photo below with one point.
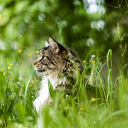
(43, 57)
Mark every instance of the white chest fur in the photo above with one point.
(44, 92)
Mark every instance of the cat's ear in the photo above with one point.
(46, 43)
(58, 48)
(54, 44)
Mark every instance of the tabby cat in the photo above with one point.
(58, 64)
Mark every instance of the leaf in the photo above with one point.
(10, 109)
(126, 13)
(52, 92)
(21, 111)
(2, 80)
(1, 94)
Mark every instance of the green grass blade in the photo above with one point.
(21, 111)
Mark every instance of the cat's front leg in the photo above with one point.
(39, 103)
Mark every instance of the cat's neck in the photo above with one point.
(56, 78)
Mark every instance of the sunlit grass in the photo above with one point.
(19, 87)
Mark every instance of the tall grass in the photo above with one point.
(17, 95)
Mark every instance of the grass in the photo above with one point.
(19, 87)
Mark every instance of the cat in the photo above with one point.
(61, 66)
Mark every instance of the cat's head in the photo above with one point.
(55, 57)
(50, 58)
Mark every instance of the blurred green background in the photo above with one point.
(89, 27)
(82, 25)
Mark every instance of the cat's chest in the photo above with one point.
(54, 81)
(61, 84)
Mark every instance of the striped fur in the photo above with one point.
(58, 64)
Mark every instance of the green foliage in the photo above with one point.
(2, 81)
(52, 92)
(67, 112)
(21, 111)
(69, 22)
(24, 27)
(19, 93)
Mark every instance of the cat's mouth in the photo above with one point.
(40, 72)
